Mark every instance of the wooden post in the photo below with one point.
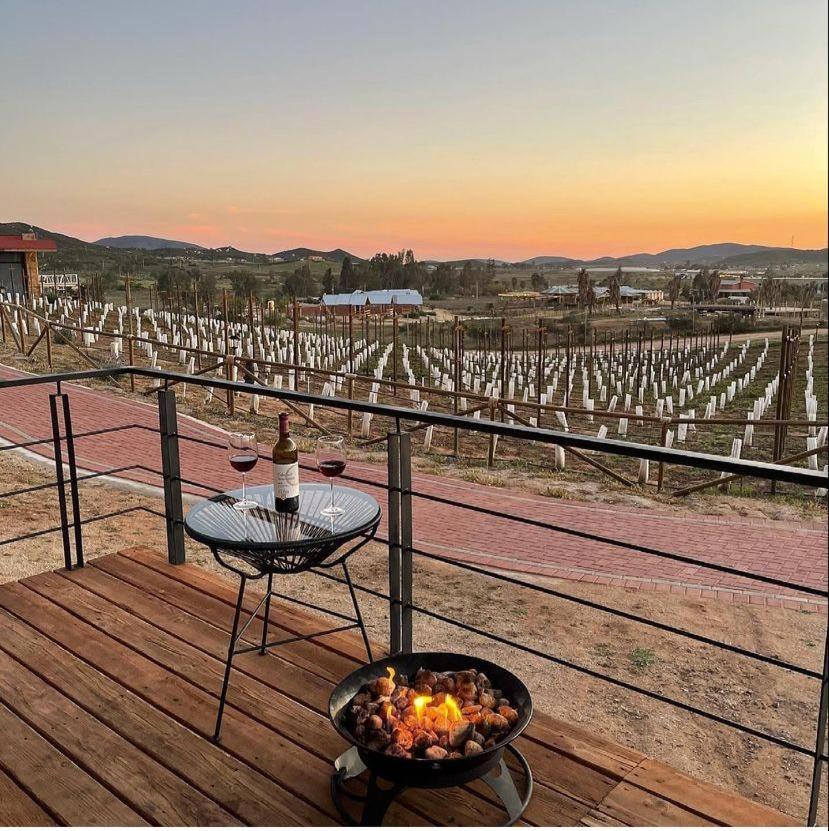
(661, 472)
(394, 346)
(296, 345)
(49, 345)
(539, 370)
(198, 323)
(350, 340)
(130, 339)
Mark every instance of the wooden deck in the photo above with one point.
(109, 679)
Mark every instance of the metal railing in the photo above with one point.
(401, 549)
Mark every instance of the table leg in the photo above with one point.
(357, 612)
(230, 650)
(267, 618)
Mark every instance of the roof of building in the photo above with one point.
(380, 297)
(19, 243)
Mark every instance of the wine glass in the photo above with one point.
(331, 463)
(243, 454)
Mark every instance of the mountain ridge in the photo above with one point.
(726, 254)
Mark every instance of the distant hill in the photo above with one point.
(335, 256)
(145, 243)
(723, 254)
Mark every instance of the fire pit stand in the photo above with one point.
(378, 799)
(389, 776)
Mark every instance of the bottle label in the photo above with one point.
(286, 480)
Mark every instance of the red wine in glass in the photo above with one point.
(331, 468)
(331, 463)
(243, 463)
(242, 453)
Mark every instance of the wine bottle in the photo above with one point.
(285, 470)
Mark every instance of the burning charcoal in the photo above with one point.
(361, 699)
(372, 708)
(402, 681)
(455, 755)
(460, 732)
(374, 722)
(400, 697)
(442, 724)
(423, 689)
(468, 691)
(510, 714)
(358, 715)
(421, 741)
(489, 743)
(402, 737)
(382, 686)
(503, 702)
(398, 751)
(435, 753)
(467, 676)
(486, 699)
(478, 737)
(445, 684)
(360, 733)
(483, 682)
(496, 723)
(426, 678)
(470, 709)
(472, 748)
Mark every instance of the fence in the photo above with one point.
(401, 549)
(763, 437)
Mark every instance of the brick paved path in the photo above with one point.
(772, 549)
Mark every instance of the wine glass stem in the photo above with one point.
(244, 488)
(332, 494)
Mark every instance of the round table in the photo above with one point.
(262, 541)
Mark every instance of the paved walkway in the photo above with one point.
(772, 549)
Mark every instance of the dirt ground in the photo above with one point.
(738, 688)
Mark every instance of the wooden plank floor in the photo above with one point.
(109, 678)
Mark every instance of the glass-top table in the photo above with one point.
(261, 542)
(262, 533)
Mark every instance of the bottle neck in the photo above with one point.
(284, 427)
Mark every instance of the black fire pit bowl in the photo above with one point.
(426, 773)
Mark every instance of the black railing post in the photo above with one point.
(171, 472)
(64, 516)
(73, 481)
(406, 541)
(820, 741)
(395, 588)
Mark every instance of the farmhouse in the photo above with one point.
(19, 272)
(382, 300)
(738, 287)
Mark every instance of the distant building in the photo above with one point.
(404, 300)
(737, 287)
(569, 295)
(19, 273)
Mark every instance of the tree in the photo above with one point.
(538, 282)
(700, 285)
(300, 283)
(243, 283)
(714, 283)
(328, 281)
(615, 289)
(674, 289)
(585, 289)
(346, 282)
(207, 287)
(442, 281)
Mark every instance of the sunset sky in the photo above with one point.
(457, 128)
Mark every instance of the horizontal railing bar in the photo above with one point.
(85, 434)
(683, 458)
(84, 477)
(591, 604)
(585, 670)
(690, 708)
(643, 549)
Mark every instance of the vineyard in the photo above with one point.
(755, 398)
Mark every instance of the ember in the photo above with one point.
(434, 716)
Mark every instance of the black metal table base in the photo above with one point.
(379, 797)
(264, 645)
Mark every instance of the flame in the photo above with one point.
(389, 709)
(453, 711)
(391, 672)
(449, 709)
(419, 703)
